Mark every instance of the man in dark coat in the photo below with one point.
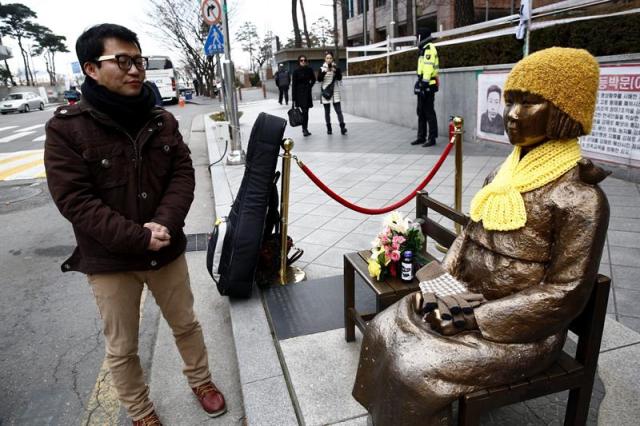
(119, 171)
(196, 86)
(283, 80)
(303, 81)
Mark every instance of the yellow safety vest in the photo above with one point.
(429, 64)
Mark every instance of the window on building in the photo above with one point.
(351, 11)
(380, 3)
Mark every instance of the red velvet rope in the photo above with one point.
(382, 210)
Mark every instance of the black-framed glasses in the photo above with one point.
(125, 61)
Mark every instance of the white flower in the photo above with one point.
(396, 222)
(375, 243)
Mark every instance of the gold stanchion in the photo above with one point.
(458, 123)
(291, 274)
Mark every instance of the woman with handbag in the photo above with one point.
(329, 75)
(302, 81)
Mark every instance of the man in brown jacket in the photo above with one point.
(119, 171)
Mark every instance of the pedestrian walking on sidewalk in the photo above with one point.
(283, 80)
(330, 77)
(303, 80)
(196, 86)
(426, 88)
(119, 171)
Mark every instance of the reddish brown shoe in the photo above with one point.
(211, 399)
(149, 420)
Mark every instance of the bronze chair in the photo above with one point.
(573, 373)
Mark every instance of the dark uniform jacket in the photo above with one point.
(282, 78)
(108, 184)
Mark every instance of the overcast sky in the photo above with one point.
(71, 17)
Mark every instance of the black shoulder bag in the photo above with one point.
(327, 92)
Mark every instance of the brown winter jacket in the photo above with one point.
(108, 184)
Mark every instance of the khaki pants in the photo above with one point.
(118, 297)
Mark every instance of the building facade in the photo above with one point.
(409, 15)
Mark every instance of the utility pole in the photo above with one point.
(392, 24)
(365, 36)
(236, 155)
(528, 30)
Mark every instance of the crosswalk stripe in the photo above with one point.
(30, 173)
(40, 138)
(19, 169)
(31, 127)
(15, 136)
(7, 128)
(20, 155)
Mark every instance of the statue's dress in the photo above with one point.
(536, 280)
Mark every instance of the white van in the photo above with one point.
(161, 72)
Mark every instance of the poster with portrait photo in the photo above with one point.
(490, 124)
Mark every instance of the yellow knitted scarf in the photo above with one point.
(500, 205)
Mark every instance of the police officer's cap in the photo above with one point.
(425, 37)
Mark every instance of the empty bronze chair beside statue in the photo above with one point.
(529, 259)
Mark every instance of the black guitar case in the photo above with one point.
(246, 221)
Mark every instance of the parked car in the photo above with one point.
(22, 102)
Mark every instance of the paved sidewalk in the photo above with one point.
(374, 165)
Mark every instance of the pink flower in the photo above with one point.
(399, 239)
(395, 245)
(395, 255)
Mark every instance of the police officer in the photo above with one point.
(426, 87)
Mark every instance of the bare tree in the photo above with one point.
(345, 36)
(48, 44)
(335, 30)
(296, 26)
(16, 19)
(304, 24)
(264, 49)
(183, 30)
(247, 35)
(322, 29)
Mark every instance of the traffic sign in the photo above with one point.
(215, 41)
(211, 11)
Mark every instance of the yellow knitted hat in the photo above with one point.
(568, 78)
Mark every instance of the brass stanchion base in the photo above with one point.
(294, 275)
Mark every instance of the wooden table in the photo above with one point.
(387, 292)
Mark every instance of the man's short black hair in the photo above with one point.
(90, 44)
(494, 88)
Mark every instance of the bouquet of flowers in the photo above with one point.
(398, 235)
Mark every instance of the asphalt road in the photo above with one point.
(51, 344)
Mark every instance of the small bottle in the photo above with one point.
(406, 267)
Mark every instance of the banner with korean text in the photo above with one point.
(615, 136)
(616, 124)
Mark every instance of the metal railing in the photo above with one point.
(505, 25)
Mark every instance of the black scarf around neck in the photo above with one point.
(131, 112)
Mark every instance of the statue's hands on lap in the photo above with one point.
(450, 314)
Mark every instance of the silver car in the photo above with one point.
(22, 102)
